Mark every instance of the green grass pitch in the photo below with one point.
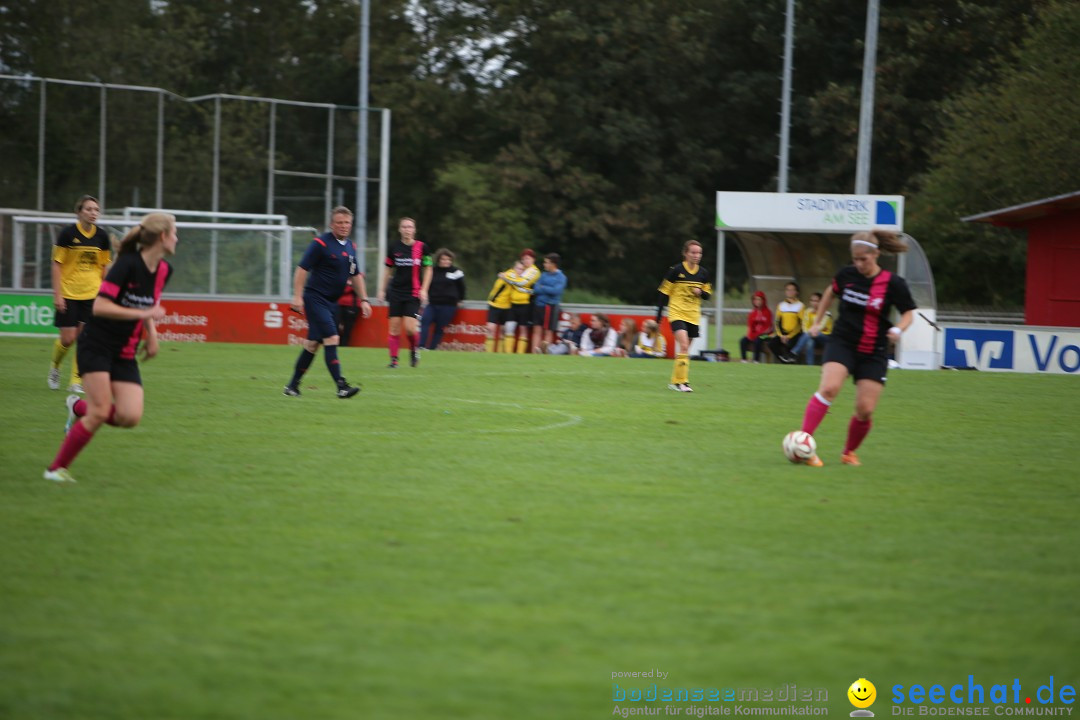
(492, 536)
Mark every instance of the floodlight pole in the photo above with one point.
(866, 106)
(718, 288)
(360, 222)
(785, 100)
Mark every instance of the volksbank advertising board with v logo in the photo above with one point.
(1013, 349)
(808, 212)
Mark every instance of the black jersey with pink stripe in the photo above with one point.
(407, 262)
(865, 305)
(131, 284)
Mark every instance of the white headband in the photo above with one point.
(864, 242)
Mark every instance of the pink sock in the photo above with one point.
(815, 413)
(857, 430)
(414, 340)
(394, 343)
(73, 444)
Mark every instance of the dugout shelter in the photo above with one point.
(1051, 294)
(805, 237)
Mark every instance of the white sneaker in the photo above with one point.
(59, 475)
(70, 402)
(680, 387)
(686, 387)
(76, 388)
(54, 378)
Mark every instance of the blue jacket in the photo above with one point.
(549, 288)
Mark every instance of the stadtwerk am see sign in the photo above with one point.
(808, 212)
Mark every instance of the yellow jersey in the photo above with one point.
(521, 285)
(499, 297)
(678, 285)
(82, 255)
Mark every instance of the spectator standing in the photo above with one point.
(547, 296)
(348, 309)
(516, 337)
(446, 293)
(499, 309)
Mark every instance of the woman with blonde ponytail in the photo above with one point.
(861, 336)
(125, 310)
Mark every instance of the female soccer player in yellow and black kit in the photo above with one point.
(684, 287)
(79, 258)
(498, 310)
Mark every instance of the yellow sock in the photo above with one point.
(681, 372)
(76, 378)
(508, 344)
(489, 344)
(58, 353)
(522, 344)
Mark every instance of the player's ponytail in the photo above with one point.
(881, 239)
(147, 232)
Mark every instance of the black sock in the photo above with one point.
(302, 364)
(332, 363)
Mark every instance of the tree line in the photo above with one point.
(597, 130)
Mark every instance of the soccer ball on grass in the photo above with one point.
(799, 446)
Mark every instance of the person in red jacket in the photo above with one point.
(758, 327)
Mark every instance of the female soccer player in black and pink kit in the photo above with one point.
(405, 282)
(127, 305)
(861, 336)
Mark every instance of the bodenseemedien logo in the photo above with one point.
(862, 695)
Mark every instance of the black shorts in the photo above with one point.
(690, 328)
(78, 313)
(521, 313)
(94, 358)
(404, 308)
(498, 316)
(860, 366)
(321, 316)
(546, 316)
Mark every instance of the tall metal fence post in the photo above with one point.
(329, 162)
(159, 177)
(384, 187)
(41, 149)
(103, 147)
(216, 191)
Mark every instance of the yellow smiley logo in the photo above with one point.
(862, 693)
